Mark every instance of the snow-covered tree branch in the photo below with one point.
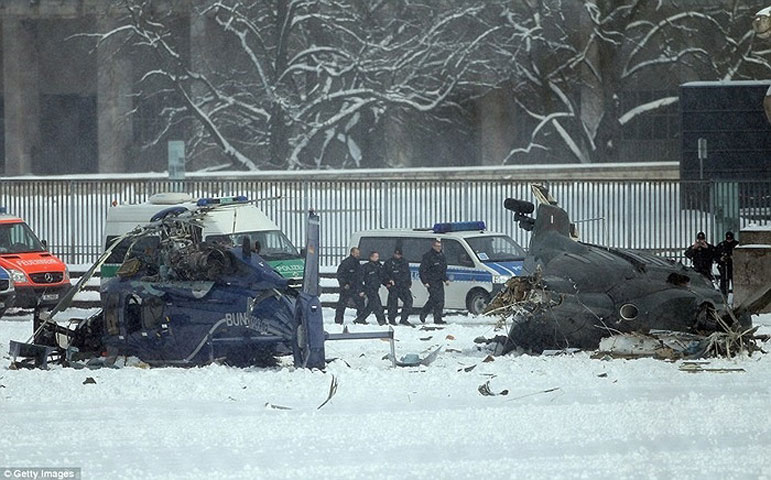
(585, 58)
(326, 83)
(305, 83)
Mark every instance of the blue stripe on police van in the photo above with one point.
(460, 275)
(506, 268)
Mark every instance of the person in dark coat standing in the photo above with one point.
(349, 278)
(433, 275)
(702, 254)
(398, 281)
(724, 252)
(372, 272)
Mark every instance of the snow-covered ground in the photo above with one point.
(564, 416)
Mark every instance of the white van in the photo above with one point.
(479, 262)
(232, 220)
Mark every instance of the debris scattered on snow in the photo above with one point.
(414, 360)
(672, 345)
(696, 367)
(562, 351)
(548, 390)
(485, 391)
(332, 392)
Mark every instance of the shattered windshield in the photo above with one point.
(497, 248)
(270, 245)
(18, 238)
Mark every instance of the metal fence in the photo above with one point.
(662, 216)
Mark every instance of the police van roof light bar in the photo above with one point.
(459, 226)
(207, 201)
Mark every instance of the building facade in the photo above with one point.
(69, 104)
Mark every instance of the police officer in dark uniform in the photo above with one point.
(702, 254)
(372, 272)
(349, 278)
(398, 281)
(724, 252)
(433, 275)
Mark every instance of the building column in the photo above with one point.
(21, 83)
(592, 95)
(114, 100)
(202, 52)
(397, 141)
(495, 135)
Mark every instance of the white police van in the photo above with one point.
(479, 262)
(234, 219)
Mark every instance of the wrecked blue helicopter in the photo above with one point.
(179, 301)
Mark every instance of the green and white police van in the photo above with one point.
(233, 219)
(479, 262)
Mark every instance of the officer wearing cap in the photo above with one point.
(433, 275)
(724, 252)
(702, 254)
(398, 282)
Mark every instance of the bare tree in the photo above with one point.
(762, 26)
(302, 83)
(582, 55)
(316, 83)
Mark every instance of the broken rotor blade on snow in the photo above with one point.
(66, 300)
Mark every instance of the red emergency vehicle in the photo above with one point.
(38, 276)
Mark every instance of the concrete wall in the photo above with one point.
(752, 264)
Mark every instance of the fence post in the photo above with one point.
(467, 201)
(384, 204)
(628, 217)
(71, 195)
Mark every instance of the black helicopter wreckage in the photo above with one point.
(575, 295)
(180, 301)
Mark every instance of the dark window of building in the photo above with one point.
(68, 133)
